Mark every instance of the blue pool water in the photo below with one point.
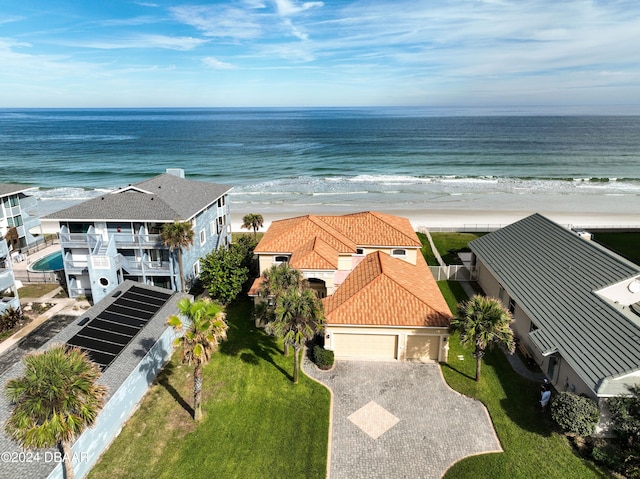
(51, 262)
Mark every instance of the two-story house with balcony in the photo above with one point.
(116, 236)
(380, 299)
(18, 216)
(8, 290)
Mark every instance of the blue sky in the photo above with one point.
(115, 53)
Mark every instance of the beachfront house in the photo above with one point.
(575, 303)
(116, 236)
(8, 289)
(19, 220)
(380, 299)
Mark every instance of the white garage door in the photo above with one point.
(373, 346)
(423, 348)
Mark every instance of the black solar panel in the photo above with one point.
(112, 330)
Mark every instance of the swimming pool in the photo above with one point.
(51, 262)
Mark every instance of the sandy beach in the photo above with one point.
(453, 219)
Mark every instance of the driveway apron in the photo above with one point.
(400, 420)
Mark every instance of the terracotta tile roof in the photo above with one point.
(255, 287)
(371, 228)
(289, 235)
(386, 291)
(316, 254)
(343, 233)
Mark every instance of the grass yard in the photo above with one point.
(36, 290)
(450, 243)
(626, 244)
(426, 250)
(532, 447)
(256, 422)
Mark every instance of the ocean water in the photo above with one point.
(352, 159)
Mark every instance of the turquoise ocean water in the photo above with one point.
(358, 158)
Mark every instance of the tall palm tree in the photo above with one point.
(483, 322)
(275, 282)
(55, 400)
(298, 317)
(205, 328)
(253, 221)
(178, 235)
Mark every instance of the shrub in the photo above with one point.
(9, 319)
(322, 357)
(575, 414)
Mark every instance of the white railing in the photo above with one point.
(453, 272)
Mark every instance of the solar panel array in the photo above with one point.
(105, 336)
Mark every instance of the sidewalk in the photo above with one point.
(59, 305)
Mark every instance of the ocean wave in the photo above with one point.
(73, 138)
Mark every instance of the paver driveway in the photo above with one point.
(400, 420)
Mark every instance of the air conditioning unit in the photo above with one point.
(583, 234)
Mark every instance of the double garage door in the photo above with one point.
(384, 346)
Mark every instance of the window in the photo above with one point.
(360, 251)
(196, 268)
(203, 237)
(17, 220)
(221, 202)
(399, 252)
(14, 201)
(212, 228)
(512, 305)
(281, 259)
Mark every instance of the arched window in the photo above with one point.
(399, 252)
(281, 259)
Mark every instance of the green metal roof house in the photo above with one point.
(576, 304)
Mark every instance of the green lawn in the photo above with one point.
(257, 423)
(36, 290)
(426, 250)
(626, 244)
(532, 447)
(450, 243)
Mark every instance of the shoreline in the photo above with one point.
(457, 219)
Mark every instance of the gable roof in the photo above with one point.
(386, 291)
(165, 197)
(553, 275)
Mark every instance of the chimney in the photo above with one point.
(179, 172)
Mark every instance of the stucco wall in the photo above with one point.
(402, 334)
(94, 441)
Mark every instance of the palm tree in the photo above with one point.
(252, 221)
(205, 328)
(298, 317)
(55, 400)
(275, 281)
(178, 235)
(483, 322)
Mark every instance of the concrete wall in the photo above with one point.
(94, 441)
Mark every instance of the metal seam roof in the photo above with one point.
(552, 274)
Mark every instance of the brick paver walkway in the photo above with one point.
(427, 426)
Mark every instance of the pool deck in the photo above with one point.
(32, 258)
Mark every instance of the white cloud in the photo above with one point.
(216, 64)
(219, 21)
(143, 41)
(288, 7)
